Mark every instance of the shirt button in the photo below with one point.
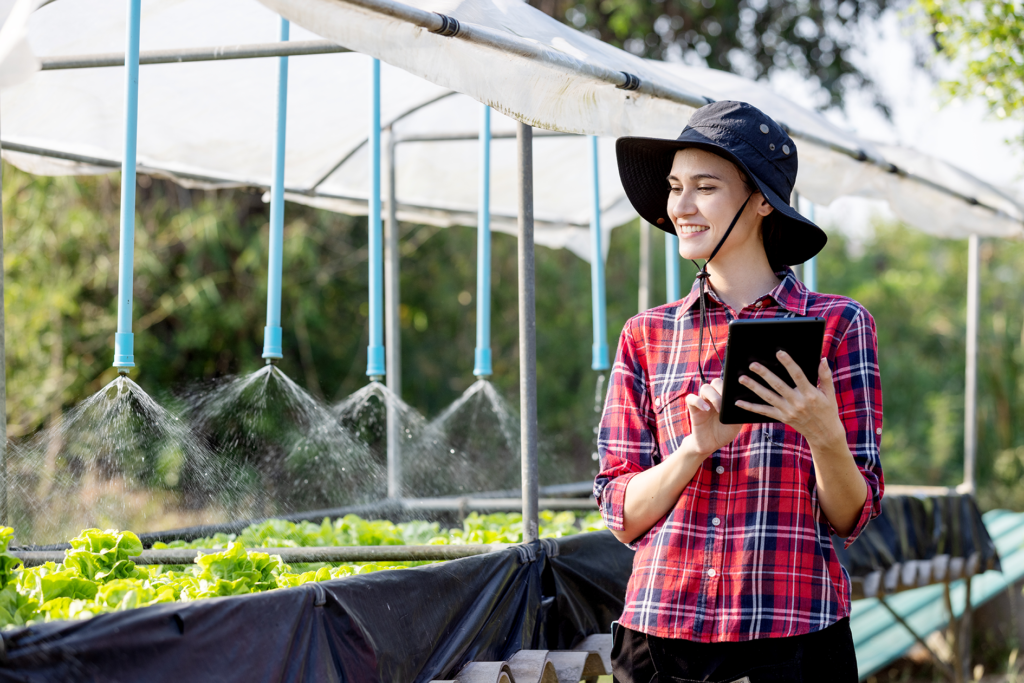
(657, 402)
(716, 521)
(720, 469)
(878, 431)
(711, 573)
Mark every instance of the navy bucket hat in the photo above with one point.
(747, 137)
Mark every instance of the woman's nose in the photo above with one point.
(682, 205)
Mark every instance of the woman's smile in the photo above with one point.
(687, 229)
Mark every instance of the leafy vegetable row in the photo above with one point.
(98, 575)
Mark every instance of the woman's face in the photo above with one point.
(705, 193)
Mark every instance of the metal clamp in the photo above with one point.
(632, 82)
(449, 26)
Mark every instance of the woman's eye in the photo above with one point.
(705, 188)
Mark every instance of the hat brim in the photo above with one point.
(644, 164)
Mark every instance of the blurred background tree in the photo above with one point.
(984, 39)
(753, 38)
(199, 311)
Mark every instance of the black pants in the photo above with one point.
(827, 656)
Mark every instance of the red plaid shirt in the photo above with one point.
(746, 552)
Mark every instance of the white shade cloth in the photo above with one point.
(211, 123)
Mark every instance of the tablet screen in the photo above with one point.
(759, 340)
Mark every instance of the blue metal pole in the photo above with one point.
(599, 357)
(672, 267)
(375, 351)
(482, 357)
(272, 332)
(811, 266)
(124, 340)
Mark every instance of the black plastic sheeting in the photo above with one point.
(428, 622)
(414, 624)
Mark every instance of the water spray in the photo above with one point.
(124, 340)
(272, 332)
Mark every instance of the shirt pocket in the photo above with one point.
(673, 416)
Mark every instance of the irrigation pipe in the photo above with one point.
(385, 553)
(190, 54)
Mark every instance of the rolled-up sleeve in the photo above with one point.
(859, 395)
(626, 439)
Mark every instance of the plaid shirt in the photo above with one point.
(746, 551)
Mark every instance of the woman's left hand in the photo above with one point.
(808, 409)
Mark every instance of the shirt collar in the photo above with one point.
(790, 294)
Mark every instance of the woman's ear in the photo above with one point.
(763, 207)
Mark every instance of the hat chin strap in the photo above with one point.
(703, 276)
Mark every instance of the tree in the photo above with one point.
(750, 37)
(986, 39)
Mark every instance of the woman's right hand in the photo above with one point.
(707, 431)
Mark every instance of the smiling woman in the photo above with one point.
(732, 523)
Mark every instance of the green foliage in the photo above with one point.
(97, 576)
(986, 39)
(915, 287)
(103, 555)
(815, 38)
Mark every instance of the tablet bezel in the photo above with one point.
(759, 339)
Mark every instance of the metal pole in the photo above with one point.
(798, 270)
(272, 332)
(644, 290)
(482, 357)
(124, 340)
(811, 266)
(393, 331)
(599, 356)
(5, 518)
(971, 379)
(193, 54)
(375, 351)
(672, 267)
(527, 333)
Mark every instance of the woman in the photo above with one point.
(735, 577)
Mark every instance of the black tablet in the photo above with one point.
(759, 340)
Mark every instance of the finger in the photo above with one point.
(712, 396)
(764, 392)
(695, 401)
(760, 409)
(718, 385)
(780, 387)
(825, 379)
(795, 371)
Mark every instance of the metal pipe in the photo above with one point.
(599, 353)
(493, 504)
(394, 553)
(794, 201)
(527, 334)
(971, 378)
(459, 137)
(392, 330)
(375, 351)
(482, 366)
(124, 340)
(272, 332)
(193, 54)
(671, 267)
(644, 290)
(5, 518)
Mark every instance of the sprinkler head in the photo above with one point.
(377, 378)
(123, 372)
(272, 361)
